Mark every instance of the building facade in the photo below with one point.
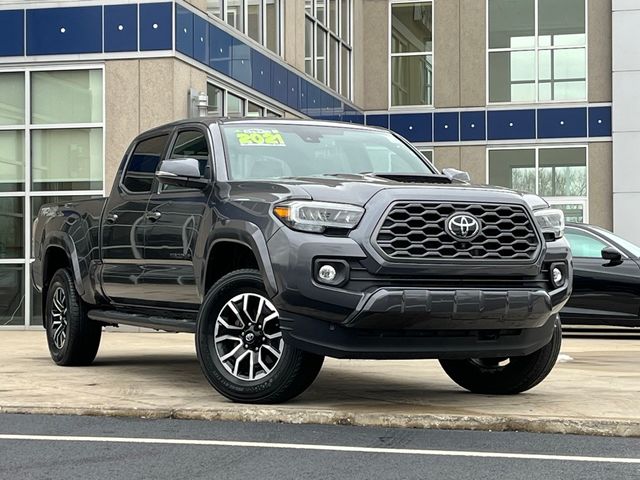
(516, 92)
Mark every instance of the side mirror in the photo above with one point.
(611, 254)
(182, 172)
(456, 175)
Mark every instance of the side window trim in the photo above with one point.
(142, 138)
(173, 137)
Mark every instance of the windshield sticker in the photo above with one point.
(251, 137)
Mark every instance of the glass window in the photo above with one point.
(537, 63)
(254, 20)
(11, 227)
(215, 96)
(411, 80)
(327, 43)
(557, 174)
(66, 96)
(66, 159)
(190, 144)
(11, 98)
(272, 25)
(584, 245)
(235, 106)
(411, 59)
(11, 295)
(11, 161)
(214, 7)
(235, 14)
(282, 150)
(254, 110)
(143, 163)
(632, 248)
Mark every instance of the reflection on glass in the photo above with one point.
(254, 110)
(346, 72)
(235, 14)
(411, 27)
(73, 96)
(513, 168)
(214, 7)
(333, 16)
(562, 74)
(321, 46)
(272, 27)
(11, 160)
(412, 78)
(11, 295)
(235, 106)
(345, 21)
(11, 98)
(308, 6)
(11, 227)
(320, 10)
(308, 46)
(66, 159)
(334, 63)
(562, 172)
(512, 76)
(561, 23)
(254, 29)
(512, 23)
(215, 94)
(573, 213)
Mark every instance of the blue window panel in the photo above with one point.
(445, 127)
(293, 90)
(52, 31)
(511, 124)
(220, 43)
(184, 31)
(279, 82)
(260, 72)
(155, 26)
(415, 127)
(11, 33)
(472, 126)
(378, 120)
(304, 97)
(241, 62)
(562, 122)
(120, 28)
(200, 39)
(600, 121)
(313, 100)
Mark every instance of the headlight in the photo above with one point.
(309, 216)
(551, 221)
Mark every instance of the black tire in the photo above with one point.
(291, 373)
(81, 335)
(493, 377)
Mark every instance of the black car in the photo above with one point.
(606, 283)
(280, 242)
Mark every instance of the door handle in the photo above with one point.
(111, 218)
(153, 216)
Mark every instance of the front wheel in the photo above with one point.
(505, 376)
(240, 345)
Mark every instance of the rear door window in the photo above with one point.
(143, 163)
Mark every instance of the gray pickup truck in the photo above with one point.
(280, 242)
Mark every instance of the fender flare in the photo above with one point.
(61, 240)
(247, 234)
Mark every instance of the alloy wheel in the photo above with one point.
(247, 336)
(59, 321)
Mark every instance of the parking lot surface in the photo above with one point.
(593, 390)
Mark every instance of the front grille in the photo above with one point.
(416, 231)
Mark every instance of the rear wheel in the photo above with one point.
(240, 345)
(73, 339)
(505, 376)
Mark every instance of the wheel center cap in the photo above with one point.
(250, 337)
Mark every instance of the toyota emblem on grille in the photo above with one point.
(463, 227)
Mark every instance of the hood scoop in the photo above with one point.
(413, 178)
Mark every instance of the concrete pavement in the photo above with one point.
(593, 390)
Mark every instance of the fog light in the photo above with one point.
(327, 273)
(557, 277)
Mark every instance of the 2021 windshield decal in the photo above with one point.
(259, 137)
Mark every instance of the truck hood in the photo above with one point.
(359, 189)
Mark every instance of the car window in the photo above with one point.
(189, 144)
(141, 168)
(584, 245)
(632, 248)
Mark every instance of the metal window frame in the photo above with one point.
(536, 149)
(536, 48)
(27, 193)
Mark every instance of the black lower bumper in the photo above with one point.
(333, 340)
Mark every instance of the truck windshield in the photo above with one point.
(278, 150)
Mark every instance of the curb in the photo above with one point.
(574, 426)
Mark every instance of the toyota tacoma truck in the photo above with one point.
(280, 242)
